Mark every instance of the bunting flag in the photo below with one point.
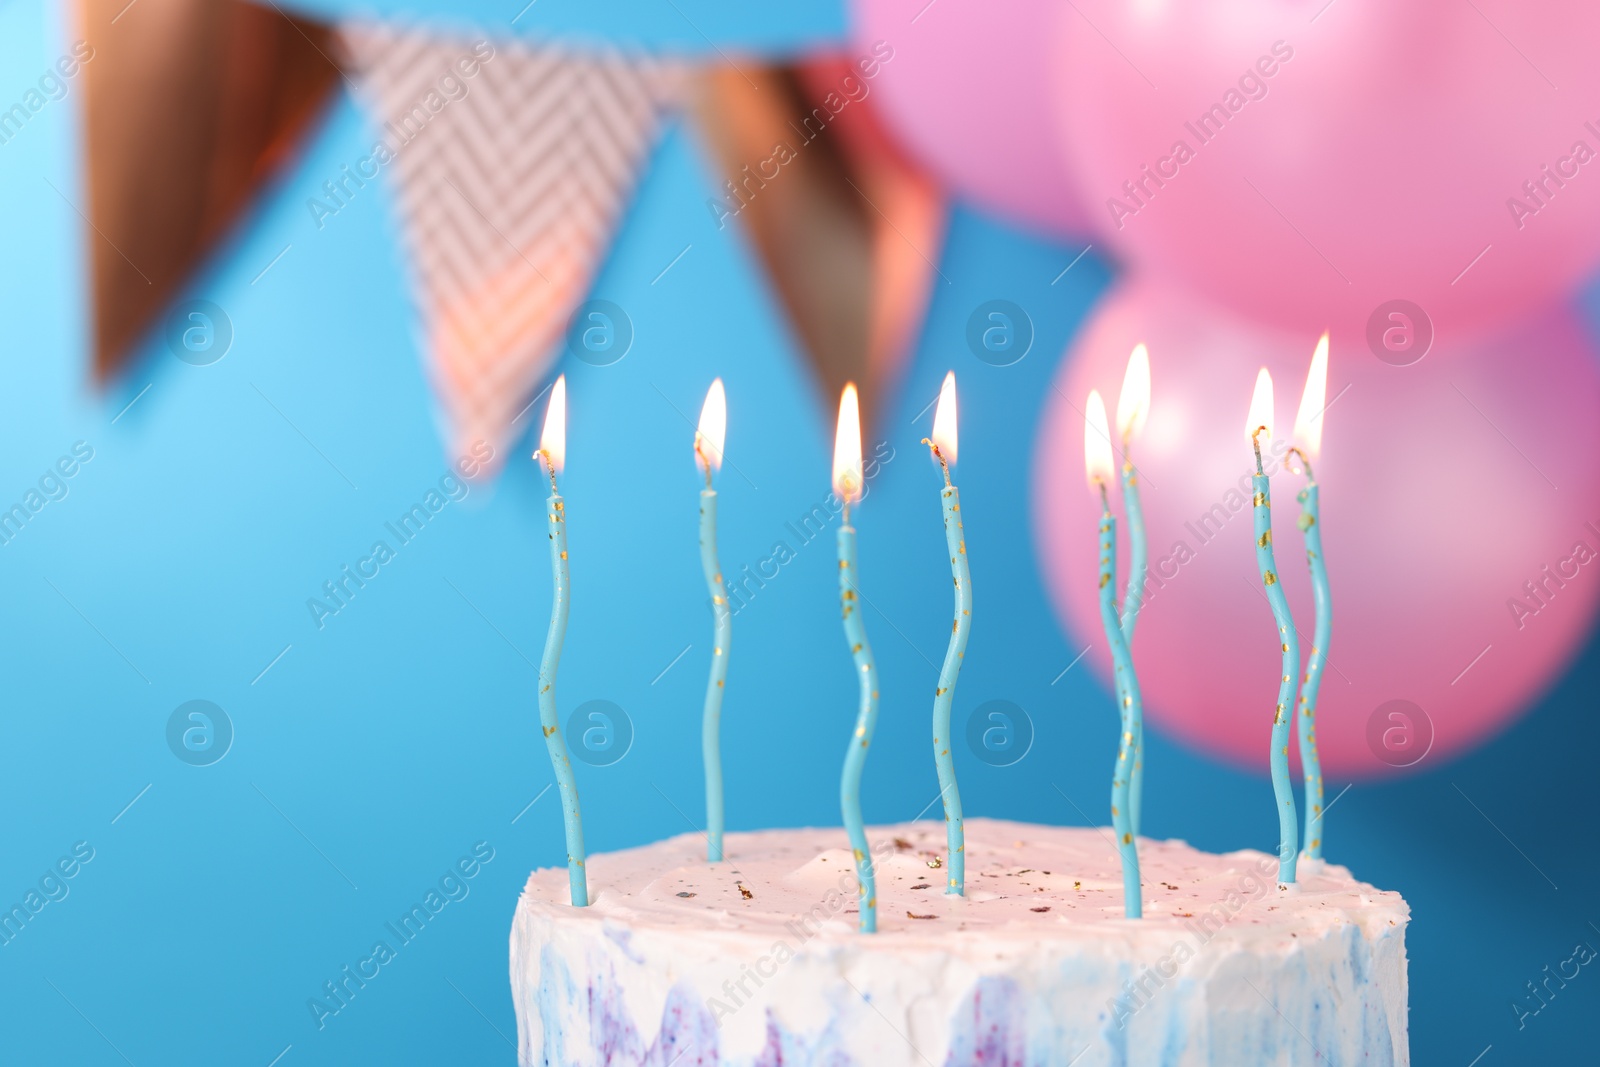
(191, 106)
(849, 229)
(512, 164)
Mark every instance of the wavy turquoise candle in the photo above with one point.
(722, 635)
(1127, 686)
(855, 757)
(848, 481)
(1282, 788)
(1132, 601)
(1098, 463)
(1133, 406)
(944, 692)
(1311, 685)
(708, 440)
(566, 783)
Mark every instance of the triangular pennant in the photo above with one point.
(190, 107)
(512, 164)
(848, 228)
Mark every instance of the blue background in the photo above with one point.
(373, 752)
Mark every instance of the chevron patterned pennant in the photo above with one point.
(512, 164)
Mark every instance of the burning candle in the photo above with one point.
(1308, 435)
(1098, 462)
(708, 440)
(943, 447)
(848, 483)
(553, 452)
(1260, 422)
(1133, 407)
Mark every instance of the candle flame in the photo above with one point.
(944, 419)
(1133, 403)
(1097, 458)
(1260, 408)
(847, 471)
(713, 428)
(1314, 401)
(553, 439)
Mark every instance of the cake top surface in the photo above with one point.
(1025, 882)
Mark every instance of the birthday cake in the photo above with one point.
(757, 962)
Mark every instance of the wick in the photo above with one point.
(938, 455)
(1304, 462)
(705, 461)
(847, 511)
(1105, 501)
(550, 467)
(1255, 440)
(1127, 451)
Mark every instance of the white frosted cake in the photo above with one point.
(756, 961)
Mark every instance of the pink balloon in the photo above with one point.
(1353, 153)
(968, 92)
(1446, 486)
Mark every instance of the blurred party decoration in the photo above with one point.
(1307, 163)
(512, 164)
(969, 89)
(848, 229)
(1494, 447)
(191, 105)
